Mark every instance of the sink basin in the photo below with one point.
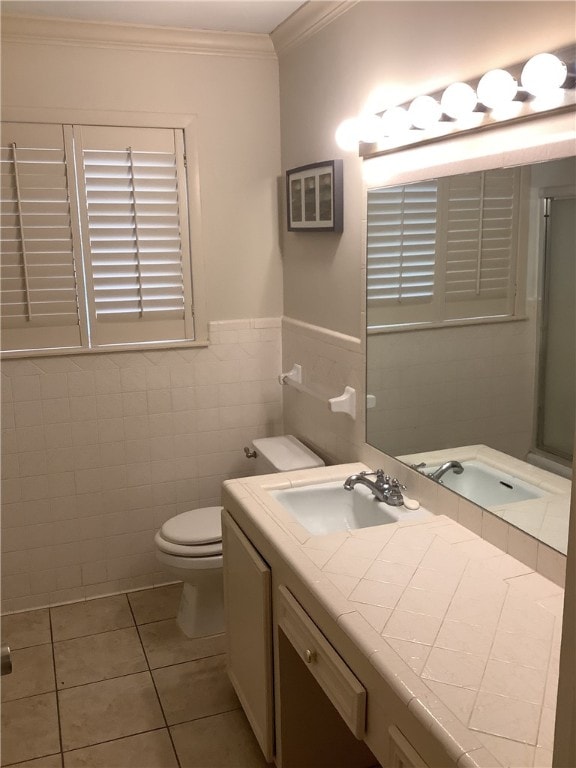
(488, 486)
(328, 507)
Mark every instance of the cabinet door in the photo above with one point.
(402, 753)
(248, 610)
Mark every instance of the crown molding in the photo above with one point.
(33, 29)
(307, 21)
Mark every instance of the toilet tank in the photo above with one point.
(282, 454)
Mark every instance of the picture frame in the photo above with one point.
(314, 197)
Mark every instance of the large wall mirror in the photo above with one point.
(471, 336)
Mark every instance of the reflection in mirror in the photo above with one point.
(471, 336)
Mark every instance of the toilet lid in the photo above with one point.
(196, 527)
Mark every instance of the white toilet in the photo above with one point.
(189, 545)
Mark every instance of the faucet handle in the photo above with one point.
(378, 472)
(397, 485)
(382, 478)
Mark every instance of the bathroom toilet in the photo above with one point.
(189, 545)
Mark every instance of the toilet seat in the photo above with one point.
(190, 550)
(196, 533)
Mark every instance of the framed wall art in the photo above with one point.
(314, 197)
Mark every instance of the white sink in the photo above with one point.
(328, 507)
(488, 486)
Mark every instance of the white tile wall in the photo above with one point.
(330, 361)
(99, 450)
(445, 387)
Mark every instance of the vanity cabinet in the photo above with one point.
(248, 609)
(402, 753)
(307, 705)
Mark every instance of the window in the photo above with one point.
(95, 237)
(444, 250)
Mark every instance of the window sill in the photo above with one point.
(378, 329)
(71, 351)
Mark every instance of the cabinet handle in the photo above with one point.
(310, 656)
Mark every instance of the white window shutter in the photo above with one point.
(135, 234)
(481, 243)
(38, 281)
(401, 252)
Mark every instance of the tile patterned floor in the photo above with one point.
(113, 683)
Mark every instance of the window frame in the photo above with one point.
(188, 123)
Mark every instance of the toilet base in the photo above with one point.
(201, 610)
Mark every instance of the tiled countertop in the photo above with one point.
(470, 635)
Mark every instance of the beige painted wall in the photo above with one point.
(236, 100)
(99, 450)
(412, 48)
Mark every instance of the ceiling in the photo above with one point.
(258, 16)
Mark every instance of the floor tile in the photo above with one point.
(108, 710)
(195, 689)
(146, 750)
(52, 761)
(221, 741)
(21, 630)
(155, 604)
(90, 616)
(166, 644)
(32, 673)
(98, 657)
(29, 728)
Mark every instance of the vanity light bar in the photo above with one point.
(542, 85)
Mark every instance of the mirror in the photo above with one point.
(471, 289)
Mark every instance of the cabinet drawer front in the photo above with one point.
(341, 686)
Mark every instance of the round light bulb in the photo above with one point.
(458, 100)
(394, 121)
(543, 73)
(348, 135)
(369, 128)
(424, 112)
(497, 88)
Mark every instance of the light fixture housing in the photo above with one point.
(488, 102)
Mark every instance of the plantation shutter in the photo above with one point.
(481, 243)
(135, 234)
(38, 279)
(401, 252)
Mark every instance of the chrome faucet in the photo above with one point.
(384, 488)
(446, 467)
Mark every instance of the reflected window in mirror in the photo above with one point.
(446, 250)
